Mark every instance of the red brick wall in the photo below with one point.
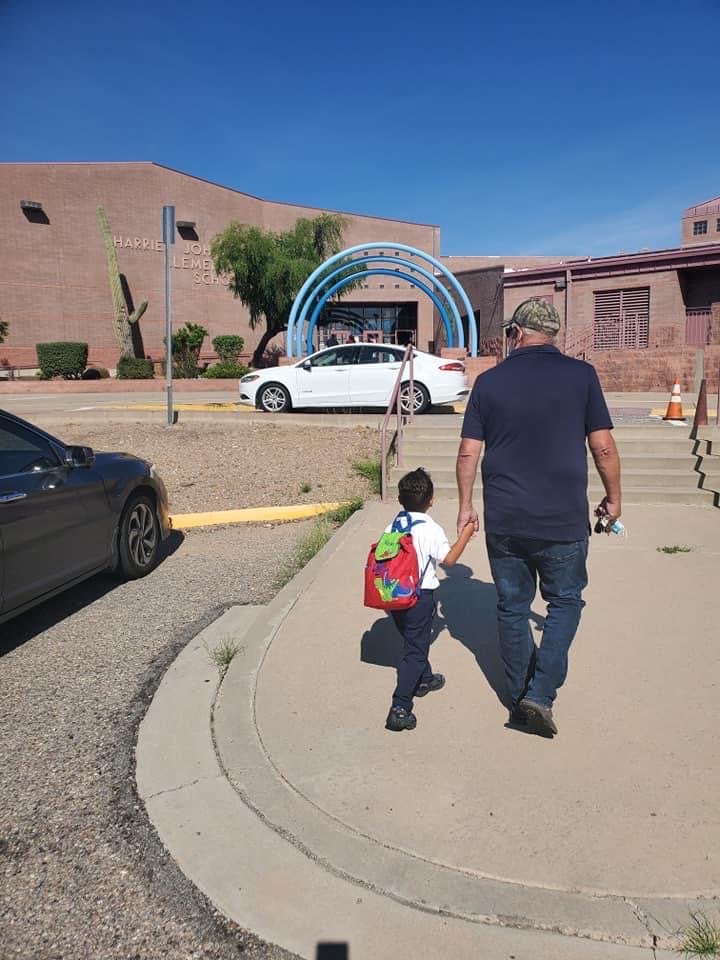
(654, 370)
(53, 277)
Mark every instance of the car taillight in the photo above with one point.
(455, 365)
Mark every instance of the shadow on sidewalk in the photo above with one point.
(467, 610)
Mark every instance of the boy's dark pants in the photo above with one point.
(415, 625)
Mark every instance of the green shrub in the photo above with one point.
(135, 368)
(62, 358)
(225, 371)
(228, 346)
(4, 328)
(186, 346)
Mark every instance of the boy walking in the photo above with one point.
(415, 676)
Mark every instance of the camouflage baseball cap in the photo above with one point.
(537, 314)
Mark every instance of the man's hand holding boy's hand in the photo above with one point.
(455, 551)
(467, 515)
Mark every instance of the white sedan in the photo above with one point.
(355, 375)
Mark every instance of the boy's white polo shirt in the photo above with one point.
(431, 543)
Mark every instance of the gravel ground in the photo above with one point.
(84, 875)
(227, 463)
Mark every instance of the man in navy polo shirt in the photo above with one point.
(533, 413)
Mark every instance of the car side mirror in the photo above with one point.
(307, 366)
(79, 456)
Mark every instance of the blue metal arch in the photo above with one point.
(413, 267)
(358, 248)
(378, 271)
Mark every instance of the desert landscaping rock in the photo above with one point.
(231, 463)
(83, 873)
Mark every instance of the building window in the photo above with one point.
(622, 319)
(699, 227)
(717, 225)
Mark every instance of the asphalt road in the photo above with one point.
(83, 873)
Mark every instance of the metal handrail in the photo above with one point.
(580, 343)
(396, 401)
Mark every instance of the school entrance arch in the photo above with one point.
(315, 292)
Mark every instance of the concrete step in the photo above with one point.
(444, 477)
(653, 478)
(433, 459)
(425, 444)
(637, 480)
(710, 463)
(633, 495)
(642, 432)
(658, 462)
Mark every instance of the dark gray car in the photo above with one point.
(67, 513)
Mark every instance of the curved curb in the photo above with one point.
(300, 511)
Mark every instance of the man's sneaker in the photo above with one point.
(517, 718)
(437, 683)
(399, 719)
(539, 717)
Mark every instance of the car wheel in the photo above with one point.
(420, 398)
(139, 538)
(274, 398)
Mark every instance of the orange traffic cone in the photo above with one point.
(675, 410)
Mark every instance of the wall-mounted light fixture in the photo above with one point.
(186, 229)
(34, 212)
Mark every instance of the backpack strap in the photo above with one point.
(403, 522)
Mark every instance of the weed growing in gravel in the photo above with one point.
(371, 470)
(345, 511)
(315, 539)
(700, 938)
(305, 549)
(674, 549)
(305, 488)
(222, 654)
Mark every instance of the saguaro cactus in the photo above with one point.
(122, 318)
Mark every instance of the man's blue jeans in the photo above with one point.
(517, 563)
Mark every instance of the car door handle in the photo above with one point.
(10, 497)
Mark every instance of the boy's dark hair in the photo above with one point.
(415, 490)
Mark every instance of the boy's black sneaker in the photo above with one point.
(437, 683)
(399, 719)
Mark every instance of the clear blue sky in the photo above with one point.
(525, 127)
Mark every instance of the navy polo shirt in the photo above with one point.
(533, 412)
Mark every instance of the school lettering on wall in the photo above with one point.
(195, 257)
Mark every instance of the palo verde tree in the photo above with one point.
(265, 270)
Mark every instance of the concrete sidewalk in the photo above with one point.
(310, 822)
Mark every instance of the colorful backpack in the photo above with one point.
(392, 574)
